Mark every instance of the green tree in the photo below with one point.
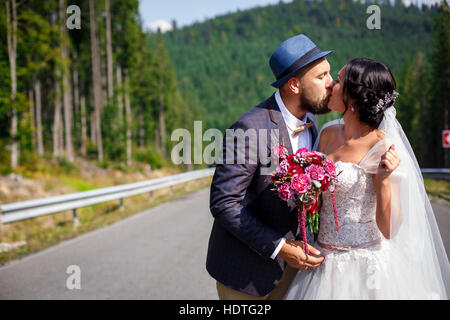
(413, 104)
(440, 86)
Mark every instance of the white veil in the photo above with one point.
(417, 257)
(416, 265)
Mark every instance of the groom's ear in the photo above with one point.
(294, 85)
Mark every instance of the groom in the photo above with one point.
(252, 250)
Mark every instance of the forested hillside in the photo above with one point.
(223, 62)
(84, 82)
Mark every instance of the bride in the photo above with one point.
(388, 245)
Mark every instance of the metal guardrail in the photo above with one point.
(436, 173)
(34, 208)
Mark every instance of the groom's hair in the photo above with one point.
(367, 81)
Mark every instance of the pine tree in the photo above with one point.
(109, 53)
(441, 85)
(412, 104)
(66, 83)
(96, 80)
(166, 83)
(11, 24)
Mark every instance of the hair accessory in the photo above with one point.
(388, 98)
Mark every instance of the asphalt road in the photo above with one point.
(156, 254)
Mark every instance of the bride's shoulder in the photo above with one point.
(380, 138)
(380, 135)
(329, 131)
(381, 143)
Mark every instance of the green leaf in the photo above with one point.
(317, 184)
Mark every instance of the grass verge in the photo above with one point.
(438, 188)
(43, 232)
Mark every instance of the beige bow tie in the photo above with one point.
(301, 128)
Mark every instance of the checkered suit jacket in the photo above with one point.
(249, 218)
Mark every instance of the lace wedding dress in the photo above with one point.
(350, 269)
(359, 262)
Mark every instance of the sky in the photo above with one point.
(185, 12)
(160, 13)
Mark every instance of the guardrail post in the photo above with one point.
(151, 196)
(171, 190)
(121, 204)
(75, 218)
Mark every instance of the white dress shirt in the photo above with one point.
(301, 140)
(304, 138)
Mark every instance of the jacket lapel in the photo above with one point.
(314, 131)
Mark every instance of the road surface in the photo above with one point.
(156, 254)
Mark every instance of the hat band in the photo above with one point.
(300, 62)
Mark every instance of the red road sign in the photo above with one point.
(446, 138)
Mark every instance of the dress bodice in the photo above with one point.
(356, 207)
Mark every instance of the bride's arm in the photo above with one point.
(383, 213)
(389, 162)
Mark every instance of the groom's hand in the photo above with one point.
(293, 253)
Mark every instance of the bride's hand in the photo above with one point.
(389, 162)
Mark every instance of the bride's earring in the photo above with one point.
(351, 108)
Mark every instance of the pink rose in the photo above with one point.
(309, 156)
(300, 183)
(320, 154)
(315, 172)
(283, 168)
(303, 153)
(284, 192)
(280, 151)
(330, 169)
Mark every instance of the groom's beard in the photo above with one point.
(319, 107)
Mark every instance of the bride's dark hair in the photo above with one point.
(367, 81)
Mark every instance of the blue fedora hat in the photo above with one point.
(291, 56)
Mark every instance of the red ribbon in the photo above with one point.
(301, 223)
(333, 198)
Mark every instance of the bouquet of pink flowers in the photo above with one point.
(302, 177)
